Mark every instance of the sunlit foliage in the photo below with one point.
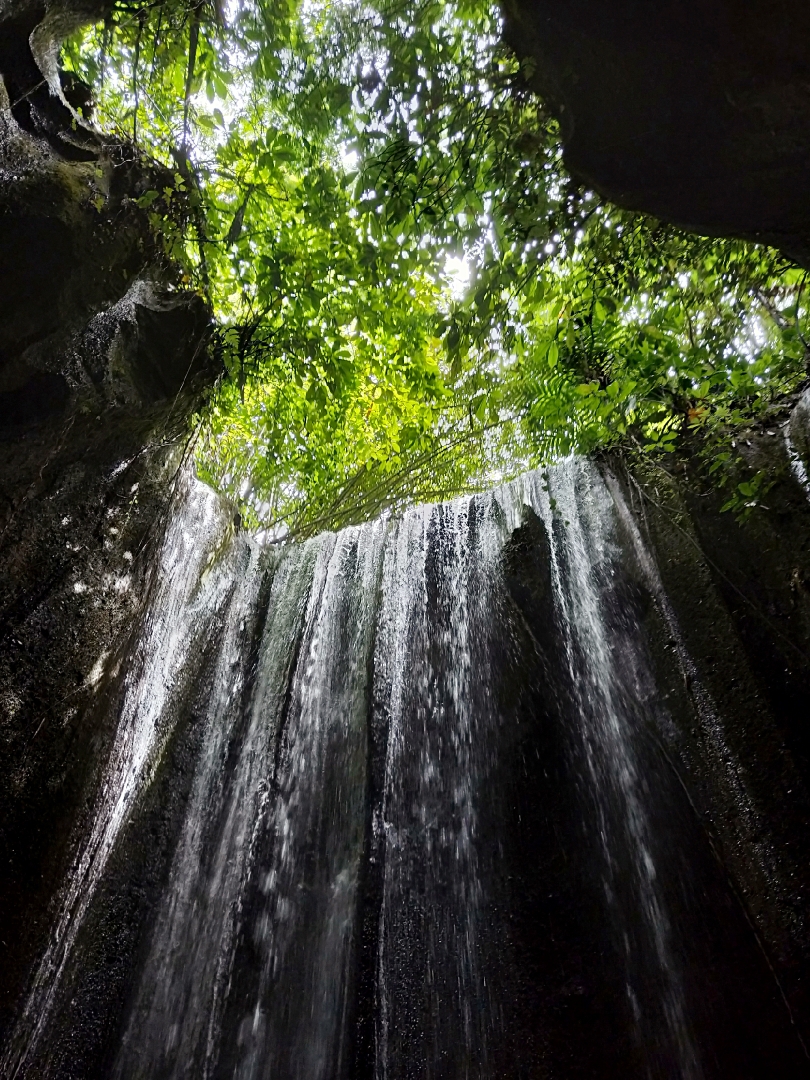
(412, 296)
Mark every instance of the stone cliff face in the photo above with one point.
(734, 601)
(697, 112)
(102, 360)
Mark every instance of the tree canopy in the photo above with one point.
(412, 296)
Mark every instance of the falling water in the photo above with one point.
(584, 559)
(436, 689)
(795, 462)
(338, 901)
(181, 614)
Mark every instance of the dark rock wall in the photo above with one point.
(102, 361)
(733, 611)
(72, 243)
(697, 112)
(30, 34)
(76, 552)
(74, 576)
(84, 491)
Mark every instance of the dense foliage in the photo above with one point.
(413, 298)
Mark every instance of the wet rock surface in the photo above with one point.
(73, 241)
(696, 112)
(84, 503)
(733, 631)
(102, 361)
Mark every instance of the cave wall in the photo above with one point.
(697, 112)
(85, 489)
(103, 358)
(729, 632)
(85, 500)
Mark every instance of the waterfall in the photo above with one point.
(609, 701)
(795, 462)
(402, 754)
(435, 688)
(180, 614)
